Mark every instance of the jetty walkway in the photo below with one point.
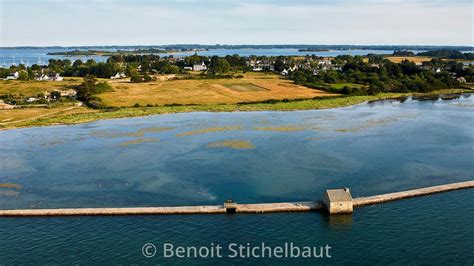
(237, 208)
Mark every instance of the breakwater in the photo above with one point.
(239, 208)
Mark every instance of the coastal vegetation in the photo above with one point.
(377, 74)
(135, 84)
(82, 115)
(91, 52)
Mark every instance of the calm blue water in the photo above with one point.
(29, 57)
(35, 56)
(285, 52)
(371, 148)
(432, 230)
(39, 56)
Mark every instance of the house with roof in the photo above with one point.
(118, 75)
(68, 93)
(55, 77)
(199, 67)
(14, 75)
(338, 201)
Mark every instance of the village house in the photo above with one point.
(199, 67)
(118, 75)
(50, 77)
(31, 99)
(14, 75)
(338, 201)
(68, 93)
(188, 68)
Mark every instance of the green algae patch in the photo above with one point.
(234, 144)
(138, 141)
(52, 143)
(155, 129)
(208, 130)
(11, 185)
(375, 123)
(282, 128)
(112, 134)
(462, 105)
(9, 193)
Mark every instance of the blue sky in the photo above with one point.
(121, 22)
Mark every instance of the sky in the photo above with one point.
(158, 22)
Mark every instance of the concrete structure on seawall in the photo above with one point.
(338, 201)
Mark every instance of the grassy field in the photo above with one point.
(82, 115)
(33, 88)
(253, 87)
(212, 95)
(13, 117)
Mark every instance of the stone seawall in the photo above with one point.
(240, 208)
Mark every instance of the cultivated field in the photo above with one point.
(33, 88)
(253, 87)
(415, 59)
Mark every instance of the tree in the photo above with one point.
(279, 64)
(55, 95)
(23, 75)
(220, 65)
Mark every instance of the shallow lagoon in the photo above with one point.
(186, 158)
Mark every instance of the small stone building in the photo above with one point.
(230, 206)
(338, 201)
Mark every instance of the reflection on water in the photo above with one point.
(339, 221)
(169, 160)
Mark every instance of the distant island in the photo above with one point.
(444, 53)
(188, 47)
(313, 50)
(91, 52)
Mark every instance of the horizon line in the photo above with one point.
(248, 44)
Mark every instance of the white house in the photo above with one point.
(188, 68)
(68, 93)
(51, 77)
(55, 77)
(199, 67)
(42, 77)
(13, 75)
(119, 75)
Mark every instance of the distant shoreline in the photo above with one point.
(250, 46)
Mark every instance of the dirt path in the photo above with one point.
(39, 116)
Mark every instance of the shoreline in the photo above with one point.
(288, 105)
